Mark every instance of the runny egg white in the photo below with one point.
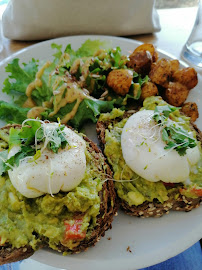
(51, 172)
(143, 151)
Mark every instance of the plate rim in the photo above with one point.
(193, 238)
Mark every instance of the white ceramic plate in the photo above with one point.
(150, 240)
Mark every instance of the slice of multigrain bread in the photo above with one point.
(154, 208)
(108, 209)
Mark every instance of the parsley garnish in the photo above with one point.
(173, 135)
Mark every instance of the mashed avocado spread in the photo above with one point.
(23, 220)
(140, 190)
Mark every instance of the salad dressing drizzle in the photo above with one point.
(68, 93)
(64, 91)
(37, 82)
(33, 85)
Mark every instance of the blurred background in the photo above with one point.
(175, 3)
(160, 4)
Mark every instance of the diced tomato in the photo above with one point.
(196, 191)
(73, 232)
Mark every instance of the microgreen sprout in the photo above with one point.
(172, 134)
(33, 138)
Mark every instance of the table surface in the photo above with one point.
(176, 26)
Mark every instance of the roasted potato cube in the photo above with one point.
(190, 109)
(150, 48)
(160, 72)
(140, 62)
(174, 65)
(148, 89)
(120, 80)
(176, 93)
(186, 76)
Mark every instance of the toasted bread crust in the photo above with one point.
(152, 209)
(9, 254)
(108, 208)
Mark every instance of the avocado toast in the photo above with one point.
(68, 222)
(140, 197)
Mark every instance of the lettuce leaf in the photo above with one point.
(12, 113)
(45, 92)
(19, 78)
(90, 47)
(87, 49)
(88, 110)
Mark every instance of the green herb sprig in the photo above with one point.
(26, 139)
(174, 136)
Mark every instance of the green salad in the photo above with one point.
(72, 87)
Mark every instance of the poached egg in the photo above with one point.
(51, 172)
(143, 151)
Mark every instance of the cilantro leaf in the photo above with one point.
(24, 152)
(165, 135)
(28, 132)
(25, 139)
(61, 140)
